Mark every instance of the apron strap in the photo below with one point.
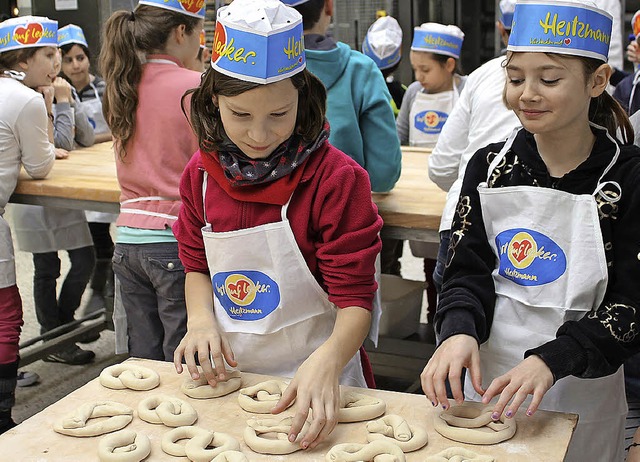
(205, 177)
(615, 196)
(503, 152)
(636, 79)
(95, 91)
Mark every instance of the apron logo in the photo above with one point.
(246, 295)
(529, 258)
(430, 121)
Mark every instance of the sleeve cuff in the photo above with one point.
(456, 321)
(564, 356)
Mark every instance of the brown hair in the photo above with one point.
(442, 60)
(205, 116)
(127, 38)
(9, 59)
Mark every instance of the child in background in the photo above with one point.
(543, 262)
(204, 56)
(277, 229)
(153, 143)
(27, 139)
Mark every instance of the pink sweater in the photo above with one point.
(162, 145)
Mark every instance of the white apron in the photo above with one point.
(552, 269)
(273, 310)
(7, 258)
(428, 114)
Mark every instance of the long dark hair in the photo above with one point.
(9, 59)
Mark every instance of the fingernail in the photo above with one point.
(495, 416)
(292, 437)
(221, 376)
(194, 376)
(433, 404)
(305, 445)
(444, 406)
(529, 412)
(509, 413)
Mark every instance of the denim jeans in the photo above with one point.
(53, 311)
(151, 281)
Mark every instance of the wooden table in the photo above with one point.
(87, 181)
(545, 436)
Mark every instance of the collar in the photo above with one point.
(171, 58)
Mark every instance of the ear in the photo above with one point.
(214, 100)
(328, 7)
(450, 65)
(179, 33)
(600, 80)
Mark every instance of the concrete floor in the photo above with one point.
(58, 380)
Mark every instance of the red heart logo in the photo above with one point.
(192, 6)
(239, 290)
(567, 41)
(28, 35)
(521, 249)
(219, 42)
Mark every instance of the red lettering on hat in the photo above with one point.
(28, 35)
(219, 42)
(192, 6)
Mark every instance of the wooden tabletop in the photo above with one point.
(545, 436)
(87, 180)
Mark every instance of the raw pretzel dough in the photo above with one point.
(230, 456)
(396, 430)
(270, 436)
(200, 389)
(124, 446)
(456, 454)
(262, 397)
(76, 424)
(356, 407)
(376, 451)
(172, 412)
(473, 424)
(120, 376)
(197, 450)
(169, 439)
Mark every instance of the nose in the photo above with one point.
(258, 132)
(529, 91)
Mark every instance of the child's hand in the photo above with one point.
(315, 386)
(61, 153)
(204, 343)
(48, 92)
(62, 90)
(633, 50)
(531, 377)
(452, 355)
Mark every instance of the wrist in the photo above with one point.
(51, 117)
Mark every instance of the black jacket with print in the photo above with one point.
(597, 344)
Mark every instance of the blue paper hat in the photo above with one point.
(437, 38)
(383, 41)
(71, 34)
(190, 7)
(258, 41)
(27, 32)
(507, 7)
(561, 27)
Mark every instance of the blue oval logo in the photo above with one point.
(246, 295)
(430, 122)
(529, 258)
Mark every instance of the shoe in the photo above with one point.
(73, 355)
(89, 337)
(6, 424)
(27, 378)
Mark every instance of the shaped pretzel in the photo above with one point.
(396, 430)
(230, 456)
(456, 454)
(262, 397)
(473, 424)
(169, 444)
(270, 435)
(377, 451)
(200, 388)
(172, 412)
(124, 446)
(356, 407)
(197, 450)
(121, 376)
(76, 424)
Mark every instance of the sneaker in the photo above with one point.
(89, 337)
(27, 378)
(71, 355)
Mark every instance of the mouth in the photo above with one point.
(532, 113)
(258, 148)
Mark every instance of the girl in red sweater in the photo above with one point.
(277, 230)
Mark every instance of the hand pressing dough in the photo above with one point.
(230, 456)
(169, 444)
(396, 430)
(200, 389)
(473, 424)
(76, 424)
(197, 448)
(270, 435)
(126, 375)
(356, 407)
(124, 446)
(262, 397)
(377, 451)
(456, 454)
(172, 412)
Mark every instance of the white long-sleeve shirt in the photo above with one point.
(616, 48)
(478, 119)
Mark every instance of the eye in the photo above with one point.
(239, 114)
(279, 114)
(550, 82)
(514, 81)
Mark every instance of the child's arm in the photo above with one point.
(315, 385)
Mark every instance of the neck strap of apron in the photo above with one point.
(95, 90)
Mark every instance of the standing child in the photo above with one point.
(543, 261)
(153, 142)
(277, 230)
(26, 134)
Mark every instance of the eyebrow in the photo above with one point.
(280, 109)
(511, 67)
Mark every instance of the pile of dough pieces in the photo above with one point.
(388, 437)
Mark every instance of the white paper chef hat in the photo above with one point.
(383, 42)
(438, 38)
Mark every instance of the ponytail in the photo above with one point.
(128, 37)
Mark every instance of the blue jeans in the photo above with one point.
(438, 272)
(151, 280)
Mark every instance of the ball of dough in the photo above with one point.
(127, 375)
(200, 388)
(124, 446)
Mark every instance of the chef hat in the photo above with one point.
(438, 38)
(565, 27)
(27, 32)
(294, 2)
(71, 34)
(383, 41)
(203, 39)
(259, 41)
(507, 8)
(189, 7)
